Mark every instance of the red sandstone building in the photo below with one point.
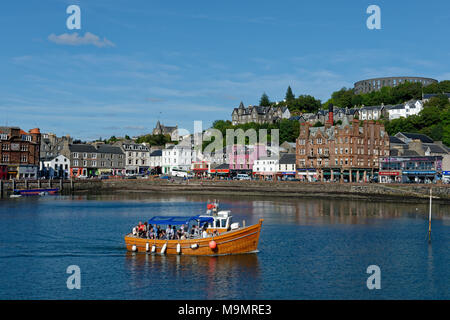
(19, 153)
(347, 152)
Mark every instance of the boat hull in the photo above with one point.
(36, 192)
(244, 240)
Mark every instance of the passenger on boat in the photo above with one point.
(197, 232)
(151, 233)
(204, 233)
(193, 231)
(162, 235)
(158, 232)
(141, 229)
(149, 228)
(169, 232)
(175, 233)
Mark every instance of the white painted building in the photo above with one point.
(265, 166)
(55, 167)
(371, 113)
(137, 157)
(405, 110)
(286, 165)
(176, 157)
(156, 159)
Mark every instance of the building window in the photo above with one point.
(75, 163)
(23, 158)
(5, 147)
(75, 155)
(5, 158)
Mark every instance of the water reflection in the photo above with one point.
(290, 210)
(205, 277)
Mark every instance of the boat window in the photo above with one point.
(223, 223)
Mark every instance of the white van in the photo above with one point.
(242, 176)
(178, 172)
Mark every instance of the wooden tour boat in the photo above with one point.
(223, 238)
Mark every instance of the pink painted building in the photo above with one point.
(241, 158)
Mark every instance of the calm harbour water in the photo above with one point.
(309, 249)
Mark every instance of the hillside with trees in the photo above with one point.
(433, 121)
(155, 139)
(386, 95)
(296, 106)
(288, 130)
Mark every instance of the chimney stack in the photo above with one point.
(330, 113)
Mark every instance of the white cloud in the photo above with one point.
(73, 39)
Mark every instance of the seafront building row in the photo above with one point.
(349, 152)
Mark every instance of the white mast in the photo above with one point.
(429, 219)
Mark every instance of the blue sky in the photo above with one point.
(134, 62)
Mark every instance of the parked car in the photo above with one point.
(243, 176)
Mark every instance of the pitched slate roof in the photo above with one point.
(106, 148)
(431, 95)
(434, 148)
(287, 158)
(398, 106)
(410, 153)
(82, 148)
(372, 108)
(394, 139)
(222, 166)
(156, 153)
(417, 136)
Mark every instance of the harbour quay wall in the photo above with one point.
(403, 192)
(65, 186)
(368, 191)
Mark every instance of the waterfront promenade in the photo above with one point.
(369, 191)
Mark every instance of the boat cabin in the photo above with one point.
(222, 221)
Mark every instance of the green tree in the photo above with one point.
(440, 101)
(342, 98)
(264, 101)
(289, 95)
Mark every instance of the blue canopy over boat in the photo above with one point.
(174, 221)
